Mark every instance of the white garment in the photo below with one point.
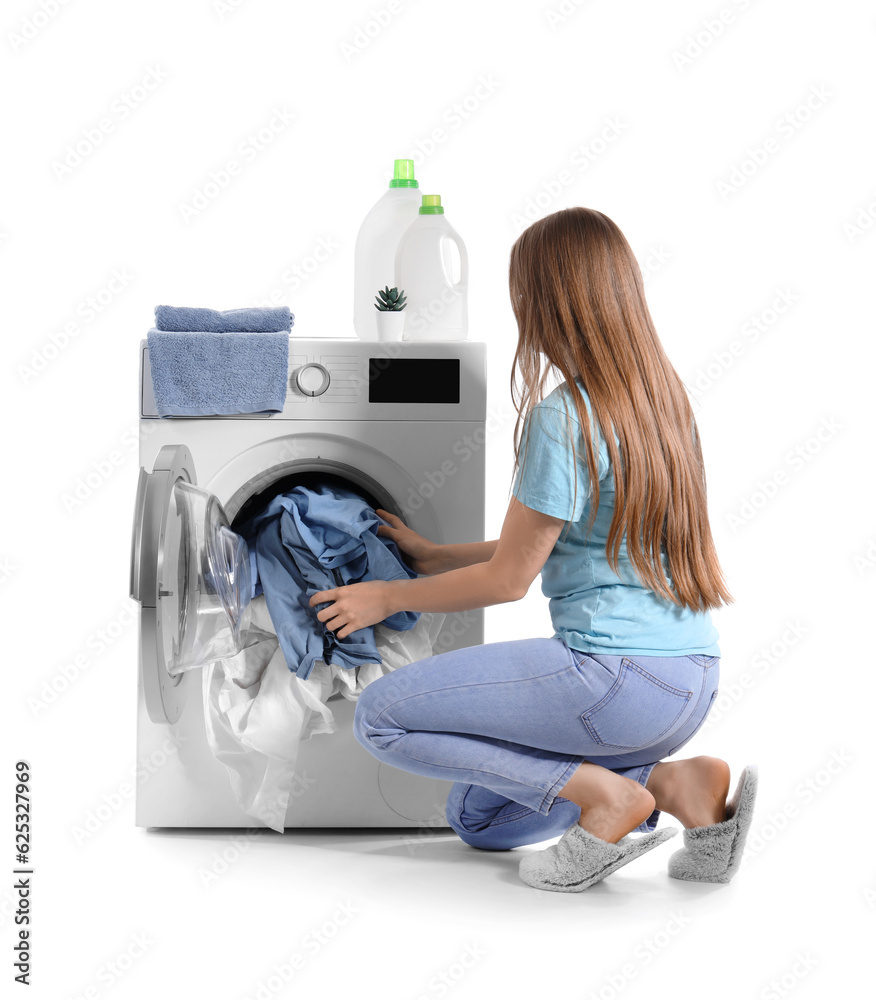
(257, 711)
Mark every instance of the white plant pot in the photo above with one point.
(390, 325)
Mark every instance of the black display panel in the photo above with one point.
(413, 380)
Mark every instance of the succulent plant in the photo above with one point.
(390, 300)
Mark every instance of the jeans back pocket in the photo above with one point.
(637, 711)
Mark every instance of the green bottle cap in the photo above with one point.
(403, 175)
(431, 205)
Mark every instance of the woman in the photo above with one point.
(568, 735)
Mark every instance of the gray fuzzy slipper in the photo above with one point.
(579, 859)
(714, 853)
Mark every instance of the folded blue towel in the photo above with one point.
(309, 540)
(186, 319)
(212, 374)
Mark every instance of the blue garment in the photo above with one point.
(594, 609)
(510, 722)
(256, 319)
(309, 540)
(211, 374)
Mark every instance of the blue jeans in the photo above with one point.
(510, 722)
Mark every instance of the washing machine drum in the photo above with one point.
(191, 572)
(189, 569)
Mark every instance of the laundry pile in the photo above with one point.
(261, 703)
(210, 363)
(309, 540)
(258, 712)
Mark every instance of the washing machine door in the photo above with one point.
(191, 575)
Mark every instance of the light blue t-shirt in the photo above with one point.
(594, 609)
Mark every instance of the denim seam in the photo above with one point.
(560, 781)
(646, 767)
(697, 704)
(458, 687)
(701, 659)
(493, 822)
(666, 687)
(699, 725)
(511, 817)
(645, 772)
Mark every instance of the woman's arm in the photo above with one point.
(426, 557)
(527, 538)
(455, 556)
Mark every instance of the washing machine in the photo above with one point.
(402, 424)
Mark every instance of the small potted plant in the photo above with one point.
(390, 306)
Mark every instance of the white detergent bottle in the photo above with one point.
(431, 266)
(376, 244)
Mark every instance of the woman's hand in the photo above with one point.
(424, 556)
(355, 606)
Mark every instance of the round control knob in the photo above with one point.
(312, 379)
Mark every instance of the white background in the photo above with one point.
(736, 184)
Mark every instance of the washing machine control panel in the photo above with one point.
(355, 379)
(375, 379)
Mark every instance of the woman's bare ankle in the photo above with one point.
(610, 821)
(694, 790)
(611, 805)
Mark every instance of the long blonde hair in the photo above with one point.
(577, 295)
